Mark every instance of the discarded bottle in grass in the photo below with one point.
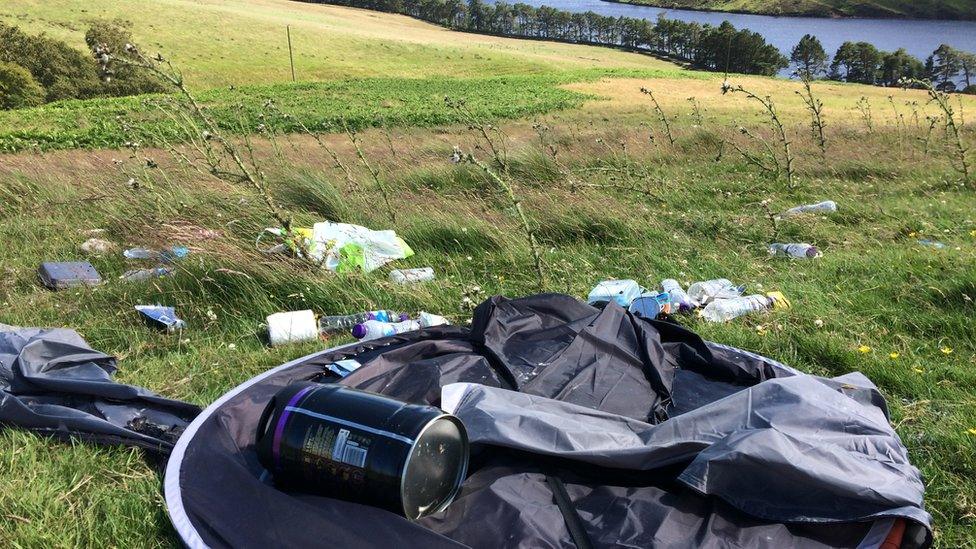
(342, 323)
(412, 276)
(680, 301)
(819, 207)
(796, 250)
(703, 293)
(723, 310)
(374, 329)
(139, 275)
(168, 255)
(932, 244)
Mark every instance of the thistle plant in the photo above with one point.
(461, 157)
(953, 123)
(815, 107)
(660, 115)
(778, 128)
(207, 137)
(864, 108)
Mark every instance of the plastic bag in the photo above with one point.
(342, 247)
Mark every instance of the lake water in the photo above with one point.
(919, 37)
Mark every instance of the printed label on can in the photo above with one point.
(328, 442)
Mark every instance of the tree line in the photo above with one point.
(37, 69)
(863, 63)
(703, 47)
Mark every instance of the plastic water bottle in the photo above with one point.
(342, 323)
(795, 250)
(819, 207)
(703, 293)
(139, 275)
(374, 329)
(724, 310)
(680, 301)
(167, 255)
(412, 276)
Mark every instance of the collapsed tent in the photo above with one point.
(53, 383)
(590, 428)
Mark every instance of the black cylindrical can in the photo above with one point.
(363, 447)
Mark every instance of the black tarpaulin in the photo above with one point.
(53, 383)
(627, 432)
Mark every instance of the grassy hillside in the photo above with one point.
(923, 9)
(607, 190)
(235, 42)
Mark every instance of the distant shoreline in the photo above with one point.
(815, 15)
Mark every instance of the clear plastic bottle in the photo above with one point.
(168, 255)
(795, 250)
(680, 300)
(703, 293)
(411, 276)
(819, 207)
(723, 310)
(374, 329)
(139, 275)
(342, 323)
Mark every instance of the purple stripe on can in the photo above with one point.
(280, 428)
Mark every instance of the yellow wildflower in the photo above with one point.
(894, 356)
(946, 350)
(864, 349)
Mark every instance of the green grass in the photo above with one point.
(238, 42)
(321, 106)
(875, 286)
(924, 9)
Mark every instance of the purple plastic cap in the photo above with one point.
(359, 331)
(812, 251)
(404, 317)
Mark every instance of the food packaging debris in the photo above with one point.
(292, 327)
(159, 316)
(61, 275)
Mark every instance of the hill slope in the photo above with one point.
(920, 9)
(234, 42)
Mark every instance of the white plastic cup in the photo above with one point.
(292, 327)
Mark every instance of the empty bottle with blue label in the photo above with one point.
(680, 301)
(343, 323)
(167, 256)
(723, 310)
(374, 329)
(796, 250)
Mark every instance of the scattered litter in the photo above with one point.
(374, 329)
(292, 327)
(167, 256)
(344, 323)
(412, 276)
(651, 306)
(58, 276)
(819, 207)
(680, 301)
(932, 244)
(139, 275)
(723, 310)
(623, 292)
(342, 247)
(342, 368)
(703, 293)
(162, 317)
(796, 250)
(96, 246)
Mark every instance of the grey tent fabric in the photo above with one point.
(53, 383)
(790, 432)
(659, 438)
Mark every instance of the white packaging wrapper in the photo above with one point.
(292, 327)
